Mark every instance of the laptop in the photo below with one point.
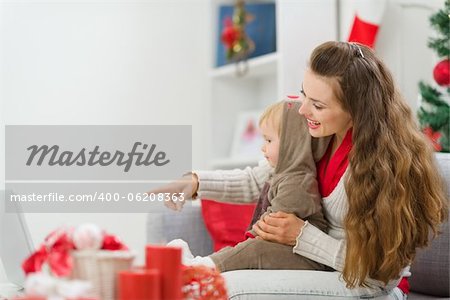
(15, 245)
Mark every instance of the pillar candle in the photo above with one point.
(140, 284)
(168, 261)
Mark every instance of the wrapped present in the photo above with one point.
(86, 253)
(55, 251)
(100, 267)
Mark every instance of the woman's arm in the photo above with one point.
(233, 185)
(321, 247)
(306, 239)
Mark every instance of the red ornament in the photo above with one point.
(441, 73)
(230, 33)
(433, 137)
(229, 36)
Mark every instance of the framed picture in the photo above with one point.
(247, 140)
(260, 29)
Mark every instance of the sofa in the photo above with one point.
(430, 270)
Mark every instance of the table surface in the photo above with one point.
(8, 290)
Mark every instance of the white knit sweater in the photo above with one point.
(238, 186)
(328, 249)
(243, 186)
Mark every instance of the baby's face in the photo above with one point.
(271, 144)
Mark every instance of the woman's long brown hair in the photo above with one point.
(395, 193)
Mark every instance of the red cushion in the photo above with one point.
(226, 222)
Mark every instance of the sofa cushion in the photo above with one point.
(417, 296)
(430, 270)
(226, 222)
(164, 225)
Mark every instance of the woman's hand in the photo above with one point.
(187, 185)
(279, 227)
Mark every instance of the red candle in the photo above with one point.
(140, 284)
(168, 261)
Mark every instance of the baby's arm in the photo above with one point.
(295, 194)
(298, 194)
(233, 185)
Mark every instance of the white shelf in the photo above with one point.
(233, 163)
(270, 77)
(258, 67)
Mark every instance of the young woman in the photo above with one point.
(381, 193)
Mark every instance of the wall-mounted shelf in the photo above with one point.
(270, 77)
(257, 67)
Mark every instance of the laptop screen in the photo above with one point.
(15, 243)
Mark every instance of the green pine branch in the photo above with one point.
(441, 46)
(445, 142)
(437, 121)
(434, 111)
(441, 22)
(431, 95)
(445, 138)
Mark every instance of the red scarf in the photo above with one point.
(331, 169)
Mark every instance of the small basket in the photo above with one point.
(100, 267)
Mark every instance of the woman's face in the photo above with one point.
(322, 109)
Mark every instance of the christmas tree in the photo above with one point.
(434, 113)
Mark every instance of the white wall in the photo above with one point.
(402, 41)
(104, 62)
(403, 44)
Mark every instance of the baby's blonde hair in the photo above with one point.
(273, 113)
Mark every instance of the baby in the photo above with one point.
(292, 188)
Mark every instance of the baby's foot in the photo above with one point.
(202, 261)
(187, 258)
(186, 254)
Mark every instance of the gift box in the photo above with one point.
(100, 267)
